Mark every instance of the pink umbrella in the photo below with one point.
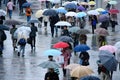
(110, 48)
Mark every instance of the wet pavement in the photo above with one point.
(13, 67)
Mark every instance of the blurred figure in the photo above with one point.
(118, 57)
(65, 31)
(14, 39)
(46, 20)
(10, 6)
(29, 12)
(102, 41)
(82, 39)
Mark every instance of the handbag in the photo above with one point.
(29, 41)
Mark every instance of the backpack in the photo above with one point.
(22, 41)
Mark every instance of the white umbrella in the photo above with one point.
(71, 14)
(39, 13)
(117, 45)
(55, 1)
(65, 3)
(112, 2)
(2, 12)
(62, 23)
(93, 12)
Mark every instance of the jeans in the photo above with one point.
(28, 18)
(22, 49)
(10, 13)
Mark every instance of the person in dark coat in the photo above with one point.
(2, 38)
(84, 58)
(51, 75)
(53, 20)
(65, 31)
(33, 35)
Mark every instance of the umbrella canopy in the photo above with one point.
(74, 29)
(81, 14)
(81, 8)
(50, 12)
(113, 11)
(81, 48)
(108, 60)
(100, 9)
(110, 48)
(2, 12)
(61, 10)
(101, 31)
(61, 45)
(72, 66)
(103, 18)
(55, 1)
(3, 27)
(65, 3)
(117, 45)
(71, 6)
(89, 78)
(113, 2)
(39, 13)
(70, 14)
(33, 21)
(91, 3)
(93, 12)
(49, 64)
(12, 22)
(81, 71)
(62, 23)
(83, 31)
(84, 3)
(104, 12)
(66, 39)
(27, 4)
(52, 52)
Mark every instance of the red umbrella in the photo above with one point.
(113, 11)
(61, 45)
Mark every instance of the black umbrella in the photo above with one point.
(3, 27)
(33, 21)
(12, 22)
(50, 12)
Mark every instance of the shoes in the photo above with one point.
(18, 53)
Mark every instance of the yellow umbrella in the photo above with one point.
(91, 3)
(81, 71)
(72, 66)
(84, 3)
(100, 9)
(39, 13)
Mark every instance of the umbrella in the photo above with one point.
(81, 48)
(33, 21)
(104, 12)
(72, 66)
(52, 52)
(49, 64)
(103, 18)
(84, 3)
(27, 4)
(100, 9)
(81, 71)
(83, 31)
(74, 29)
(71, 6)
(70, 14)
(3, 27)
(101, 31)
(91, 3)
(75, 2)
(93, 12)
(65, 3)
(61, 45)
(89, 78)
(62, 23)
(113, 11)
(50, 12)
(39, 13)
(12, 22)
(112, 2)
(110, 48)
(2, 12)
(55, 1)
(108, 60)
(81, 8)
(61, 10)
(66, 39)
(117, 45)
(81, 14)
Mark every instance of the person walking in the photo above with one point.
(65, 31)
(29, 12)
(14, 39)
(33, 35)
(10, 6)
(3, 37)
(45, 19)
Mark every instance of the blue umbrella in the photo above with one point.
(3, 27)
(50, 12)
(108, 60)
(104, 12)
(27, 4)
(81, 48)
(81, 14)
(61, 10)
(71, 6)
(89, 78)
(52, 52)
